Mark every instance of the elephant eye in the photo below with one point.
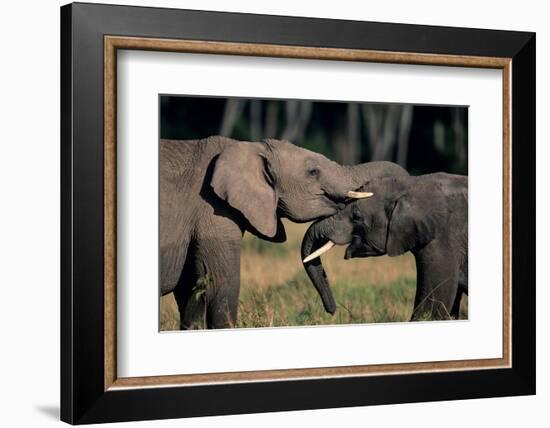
(314, 172)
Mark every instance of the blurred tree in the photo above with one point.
(388, 125)
(272, 118)
(420, 138)
(404, 131)
(346, 137)
(232, 112)
(256, 120)
(298, 114)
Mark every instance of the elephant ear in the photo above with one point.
(412, 224)
(242, 177)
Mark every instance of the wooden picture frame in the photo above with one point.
(91, 390)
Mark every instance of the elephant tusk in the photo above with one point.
(320, 251)
(359, 195)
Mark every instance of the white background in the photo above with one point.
(142, 351)
(29, 218)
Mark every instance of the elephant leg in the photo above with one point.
(171, 264)
(436, 283)
(208, 291)
(208, 288)
(455, 311)
(191, 307)
(177, 275)
(434, 301)
(223, 305)
(190, 300)
(422, 307)
(222, 270)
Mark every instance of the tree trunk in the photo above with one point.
(403, 136)
(231, 114)
(297, 119)
(255, 120)
(459, 133)
(272, 119)
(386, 126)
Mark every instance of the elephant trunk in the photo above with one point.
(314, 268)
(319, 238)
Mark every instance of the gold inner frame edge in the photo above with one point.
(113, 43)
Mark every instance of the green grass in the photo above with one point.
(275, 290)
(296, 302)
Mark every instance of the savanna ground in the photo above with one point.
(275, 290)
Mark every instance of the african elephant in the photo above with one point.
(427, 215)
(214, 189)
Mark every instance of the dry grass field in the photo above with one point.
(275, 290)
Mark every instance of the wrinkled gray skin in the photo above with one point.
(214, 189)
(427, 215)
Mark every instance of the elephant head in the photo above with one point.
(404, 214)
(272, 179)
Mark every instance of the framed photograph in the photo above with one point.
(266, 213)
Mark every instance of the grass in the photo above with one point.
(275, 290)
(295, 302)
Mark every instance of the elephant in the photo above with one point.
(426, 215)
(214, 189)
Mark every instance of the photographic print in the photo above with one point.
(271, 192)
(280, 213)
